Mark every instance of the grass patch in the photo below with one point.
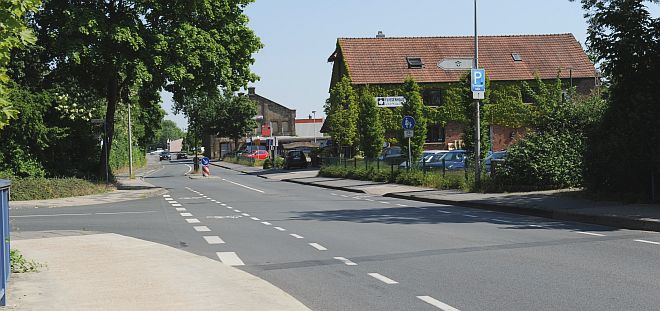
(20, 264)
(32, 188)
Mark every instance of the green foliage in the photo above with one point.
(37, 188)
(413, 107)
(341, 110)
(625, 39)
(169, 131)
(20, 264)
(452, 180)
(370, 129)
(223, 115)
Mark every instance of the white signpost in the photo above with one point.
(456, 64)
(390, 101)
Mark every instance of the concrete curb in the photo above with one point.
(323, 186)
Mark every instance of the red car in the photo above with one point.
(259, 155)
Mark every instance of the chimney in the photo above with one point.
(251, 90)
(380, 34)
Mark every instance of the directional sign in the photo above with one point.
(390, 101)
(478, 80)
(408, 123)
(205, 161)
(408, 133)
(455, 64)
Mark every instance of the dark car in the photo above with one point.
(453, 160)
(295, 158)
(181, 155)
(165, 155)
(392, 156)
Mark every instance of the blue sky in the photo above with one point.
(299, 35)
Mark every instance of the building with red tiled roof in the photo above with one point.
(385, 61)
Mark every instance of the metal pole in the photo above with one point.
(130, 143)
(477, 145)
(105, 143)
(409, 154)
(314, 121)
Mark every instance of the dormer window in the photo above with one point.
(414, 62)
(516, 57)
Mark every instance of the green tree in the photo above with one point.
(168, 131)
(128, 50)
(625, 39)
(14, 33)
(413, 107)
(342, 113)
(370, 129)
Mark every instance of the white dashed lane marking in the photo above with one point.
(255, 218)
(173, 202)
(266, 223)
(213, 239)
(186, 214)
(296, 236)
(346, 261)
(648, 242)
(244, 186)
(246, 214)
(166, 195)
(279, 228)
(230, 258)
(201, 228)
(237, 211)
(192, 220)
(444, 212)
(471, 216)
(589, 233)
(318, 246)
(169, 199)
(176, 205)
(383, 278)
(180, 209)
(437, 303)
(384, 202)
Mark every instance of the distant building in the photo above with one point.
(309, 127)
(272, 119)
(384, 63)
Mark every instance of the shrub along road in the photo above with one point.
(336, 250)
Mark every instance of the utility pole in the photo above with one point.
(314, 120)
(130, 143)
(477, 145)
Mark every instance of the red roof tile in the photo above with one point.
(383, 60)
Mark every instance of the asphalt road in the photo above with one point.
(337, 250)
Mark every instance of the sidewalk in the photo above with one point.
(93, 271)
(559, 205)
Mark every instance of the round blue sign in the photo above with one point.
(205, 161)
(408, 123)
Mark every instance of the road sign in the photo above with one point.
(478, 95)
(205, 161)
(478, 80)
(408, 123)
(408, 133)
(455, 64)
(390, 101)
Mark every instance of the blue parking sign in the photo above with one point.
(478, 80)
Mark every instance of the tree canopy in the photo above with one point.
(370, 129)
(341, 110)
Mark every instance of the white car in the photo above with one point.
(426, 157)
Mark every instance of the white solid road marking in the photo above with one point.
(318, 246)
(383, 278)
(279, 228)
(213, 239)
(436, 303)
(255, 218)
(370, 200)
(333, 194)
(296, 236)
(166, 195)
(186, 214)
(384, 202)
(169, 199)
(201, 228)
(402, 205)
(121, 213)
(589, 233)
(346, 261)
(344, 196)
(180, 209)
(85, 214)
(189, 169)
(246, 214)
(266, 223)
(176, 205)
(648, 242)
(172, 202)
(192, 220)
(244, 186)
(230, 259)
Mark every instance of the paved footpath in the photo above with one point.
(559, 205)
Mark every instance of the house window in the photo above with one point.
(516, 57)
(433, 98)
(285, 127)
(414, 62)
(275, 128)
(435, 134)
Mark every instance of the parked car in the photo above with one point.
(296, 158)
(391, 156)
(258, 155)
(499, 155)
(453, 160)
(425, 158)
(181, 155)
(165, 155)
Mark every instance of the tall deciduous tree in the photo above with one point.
(14, 33)
(128, 50)
(369, 126)
(342, 113)
(413, 107)
(625, 39)
(168, 131)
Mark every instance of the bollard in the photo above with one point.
(205, 171)
(354, 163)
(444, 168)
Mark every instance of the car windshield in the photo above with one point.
(453, 156)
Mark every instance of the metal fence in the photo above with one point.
(5, 186)
(392, 167)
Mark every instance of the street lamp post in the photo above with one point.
(477, 145)
(314, 121)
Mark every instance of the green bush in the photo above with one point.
(37, 188)
(452, 180)
(21, 265)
